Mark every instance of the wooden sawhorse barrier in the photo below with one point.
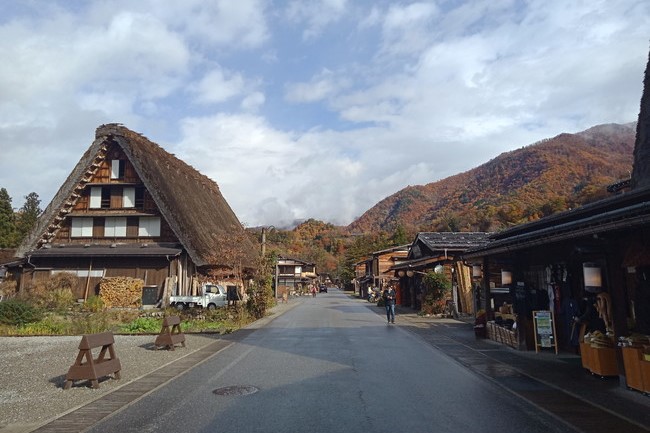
(170, 334)
(93, 368)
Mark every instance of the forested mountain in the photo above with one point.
(518, 186)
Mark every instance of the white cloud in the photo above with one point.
(321, 87)
(402, 93)
(408, 29)
(217, 86)
(253, 102)
(316, 14)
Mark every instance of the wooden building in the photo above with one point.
(293, 275)
(440, 252)
(561, 262)
(129, 208)
(374, 270)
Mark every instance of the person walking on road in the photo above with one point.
(389, 302)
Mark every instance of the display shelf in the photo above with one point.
(632, 358)
(599, 361)
(645, 375)
(603, 361)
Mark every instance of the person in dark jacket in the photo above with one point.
(589, 316)
(389, 302)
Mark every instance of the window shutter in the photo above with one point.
(95, 197)
(128, 197)
(149, 227)
(115, 169)
(115, 227)
(82, 227)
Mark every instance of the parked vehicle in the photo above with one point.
(213, 296)
(374, 295)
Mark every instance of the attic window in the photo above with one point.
(149, 227)
(82, 227)
(128, 197)
(96, 197)
(115, 227)
(117, 168)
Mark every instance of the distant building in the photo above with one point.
(438, 252)
(293, 275)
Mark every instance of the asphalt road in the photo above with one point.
(330, 364)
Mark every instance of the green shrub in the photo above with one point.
(93, 304)
(436, 287)
(47, 326)
(59, 299)
(142, 325)
(259, 300)
(90, 323)
(16, 312)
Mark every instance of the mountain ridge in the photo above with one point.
(517, 186)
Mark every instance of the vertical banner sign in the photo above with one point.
(544, 326)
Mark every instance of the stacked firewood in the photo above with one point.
(121, 291)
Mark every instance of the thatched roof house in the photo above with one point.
(127, 192)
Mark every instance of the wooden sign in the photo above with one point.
(544, 329)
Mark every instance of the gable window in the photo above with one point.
(149, 227)
(128, 197)
(82, 228)
(95, 197)
(117, 168)
(115, 227)
(139, 197)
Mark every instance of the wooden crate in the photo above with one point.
(603, 361)
(632, 358)
(645, 374)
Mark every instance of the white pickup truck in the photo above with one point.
(214, 295)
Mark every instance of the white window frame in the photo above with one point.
(95, 197)
(128, 197)
(115, 227)
(115, 168)
(149, 227)
(82, 273)
(81, 227)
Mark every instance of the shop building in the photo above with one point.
(593, 259)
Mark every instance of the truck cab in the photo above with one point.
(212, 296)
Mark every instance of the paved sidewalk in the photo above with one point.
(81, 418)
(555, 383)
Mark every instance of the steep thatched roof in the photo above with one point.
(641, 170)
(190, 202)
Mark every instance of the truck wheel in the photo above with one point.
(211, 306)
(180, 306)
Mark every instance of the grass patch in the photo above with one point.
(85, 320)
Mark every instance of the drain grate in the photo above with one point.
(236, 390)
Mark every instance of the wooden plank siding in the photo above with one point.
(116, 194)
(132, 233)
(152, 270)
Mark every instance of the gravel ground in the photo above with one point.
(33, 369)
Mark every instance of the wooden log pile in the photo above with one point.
(121, 291)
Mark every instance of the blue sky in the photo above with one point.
(310, 109)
